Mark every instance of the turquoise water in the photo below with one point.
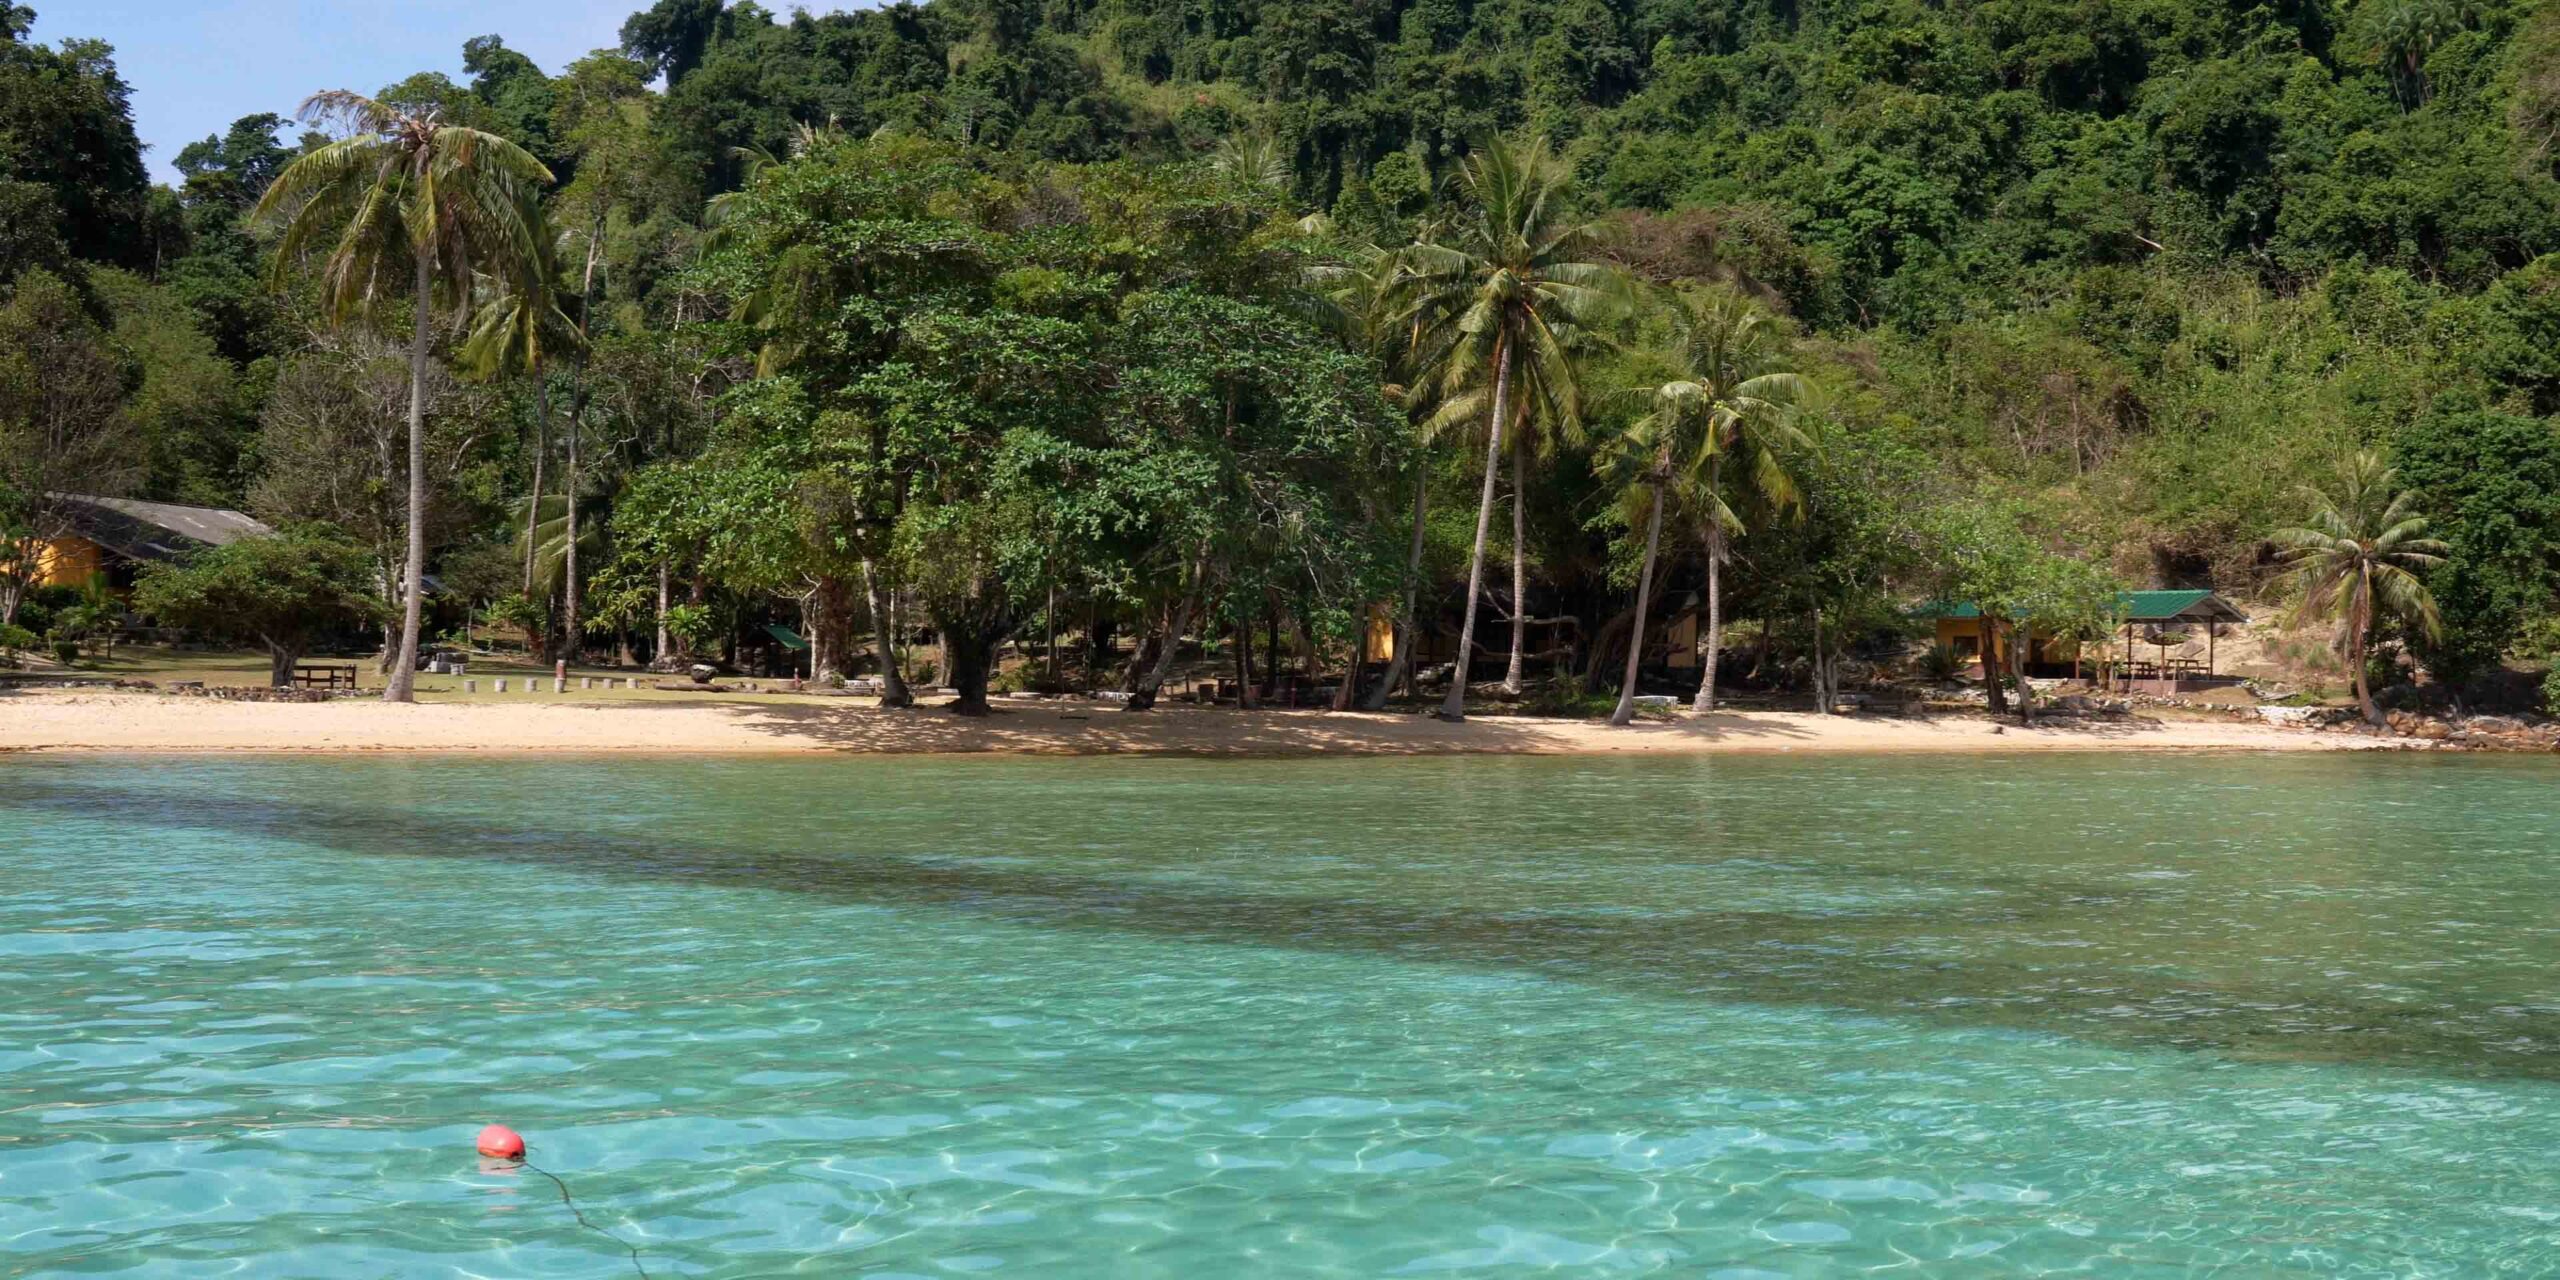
(1130, 1018)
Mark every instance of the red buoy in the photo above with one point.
(501, 1143)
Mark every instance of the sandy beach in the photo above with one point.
(71, 721)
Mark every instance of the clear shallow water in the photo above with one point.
(1473, 1017)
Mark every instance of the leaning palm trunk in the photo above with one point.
(1513, 675)
(1454, 706)
(541, 450)
(574, 638)
(1626, 712)
(1407, 626)
(402, 685)
(1706, 699)
(658, 648)
(572, 631)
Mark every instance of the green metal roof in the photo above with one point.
(2132, 606)
(789, 639)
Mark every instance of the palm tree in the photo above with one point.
(405, 191)
(1513, 281)
(2358, 561)
(1645, 453)
(1539, 399)
(1360, 303)
(517, 329)
(1734, 356)
(1254, 158)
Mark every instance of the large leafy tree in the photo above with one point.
(403, 195)
(2359, 562)
(1518, 282)
(281, 592)
(70, 164)
(2490, 484)
(63, 424)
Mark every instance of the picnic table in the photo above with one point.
(324, 675)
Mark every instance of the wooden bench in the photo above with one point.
(324, 675)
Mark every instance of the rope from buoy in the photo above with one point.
(572, 1203)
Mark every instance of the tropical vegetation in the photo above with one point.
(1128, 335)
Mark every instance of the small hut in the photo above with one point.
(2164, 641)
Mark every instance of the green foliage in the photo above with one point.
(2360, 559)
(282, 592)
(71, 175)
(526, 614)
(2129, 274)
(2490, 484)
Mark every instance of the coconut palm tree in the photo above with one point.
(1358, 296)
(1645, 456)
(1255, 158)
(2357, 561)
(519, 326)
(1733, 355)
(405, 192)
(1545, 410)
(1514, 280)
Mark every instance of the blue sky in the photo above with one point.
(197, 65)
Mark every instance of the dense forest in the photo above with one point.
(1003, 320)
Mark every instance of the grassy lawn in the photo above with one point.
(245, 667)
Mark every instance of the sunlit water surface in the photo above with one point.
(1132, 1018)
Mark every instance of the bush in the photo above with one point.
(1941, 663)
(2551, 691)
(12, 639)
(66, 647)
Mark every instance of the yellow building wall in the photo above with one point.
(1964, 635)
(1379, 645)
(67, 562)
(1683, 639)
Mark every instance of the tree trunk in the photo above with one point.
(1245, 669)
(829, 613)
(1705, 702)
(893, 683)
(541, 450)
(1626, 712)
(573, 638)
(1997, 699)
(968, 657)
(2364, 692)
(659, 649)
(402, 686)
(1407, 627)
(2018, 648)
(1512, 674)
(1151, 685)
(1454, 706)
(280, 662)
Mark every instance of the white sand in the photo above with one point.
(110, 721)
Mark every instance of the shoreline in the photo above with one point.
(84, 722)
